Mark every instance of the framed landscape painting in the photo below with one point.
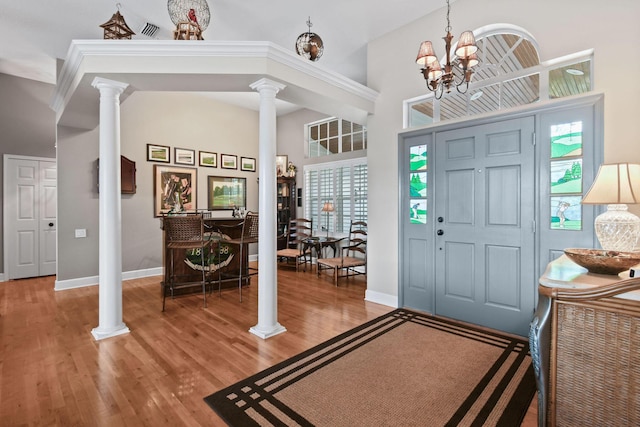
(158, 153)
(208, 159)
(185, 157)
(228, 161)
(248, 164)
(227, 193)
(175, 189)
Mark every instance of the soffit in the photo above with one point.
(151, 65)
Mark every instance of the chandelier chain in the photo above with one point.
(448, 28)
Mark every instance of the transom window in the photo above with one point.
(509, 74)
(333, 136)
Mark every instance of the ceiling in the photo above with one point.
(35, 36)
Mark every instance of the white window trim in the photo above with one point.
(333, 165)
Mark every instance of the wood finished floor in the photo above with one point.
(52, 371)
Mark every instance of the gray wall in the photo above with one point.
(182, 120)
(27, 126)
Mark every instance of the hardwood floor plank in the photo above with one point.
(52, 371)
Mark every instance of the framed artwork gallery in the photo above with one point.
(174, 189)
(226, 193)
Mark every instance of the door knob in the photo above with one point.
(439, 232)
(440, 219)
(50, 224)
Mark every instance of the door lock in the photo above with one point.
(50, 224)
(439, 232)
(440, 219)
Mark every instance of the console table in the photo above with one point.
(585, 347)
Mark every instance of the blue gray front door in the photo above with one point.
(484, 224)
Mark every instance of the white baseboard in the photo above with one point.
(2, 277)
(81, 282)
(380, 298)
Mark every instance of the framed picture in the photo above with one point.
(281, 165)
(185, 157)
(208, 159)
(248, 164)
(226, 193)
(228, 161)
(158, 153)
(174, 189)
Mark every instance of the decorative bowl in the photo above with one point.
(603, 262)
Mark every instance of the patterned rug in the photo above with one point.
(401, 369)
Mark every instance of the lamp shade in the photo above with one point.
(616, 183)
(327, 207)
(435, 70)
(426, 54)
(466, 45)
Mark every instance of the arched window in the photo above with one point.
(509, 74)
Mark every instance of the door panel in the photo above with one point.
(416, 223)
(484, 258)
(553, 238)
(48, 212)
(22, 218)
(30, 206)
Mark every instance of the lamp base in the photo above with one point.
(617, 229)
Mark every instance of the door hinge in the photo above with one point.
(533, 139)
(533, 226)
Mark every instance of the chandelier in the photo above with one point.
(309, 45)
(439, 81)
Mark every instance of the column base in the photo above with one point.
(100, 334)
(268, 333)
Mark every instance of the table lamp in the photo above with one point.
(327, 207)
(616, 185)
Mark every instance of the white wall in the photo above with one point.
(183, 120)
(560, 27)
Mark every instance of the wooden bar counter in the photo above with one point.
(219, 229)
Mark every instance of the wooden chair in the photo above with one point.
(299, 232)
(248, 235)
(353, 257)
(183, 233)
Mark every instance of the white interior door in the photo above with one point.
(484, 210)
(47, 218)
(29, 209)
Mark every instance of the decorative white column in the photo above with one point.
(268, 325)
(110, 251)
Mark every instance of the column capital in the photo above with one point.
(102, 83)
(267, 84)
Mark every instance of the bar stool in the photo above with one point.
(184, 233)
(249, 234)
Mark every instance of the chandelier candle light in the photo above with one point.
(439, 81)
(616, 185)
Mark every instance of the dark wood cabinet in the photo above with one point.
(127, 175)
(286, 199)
